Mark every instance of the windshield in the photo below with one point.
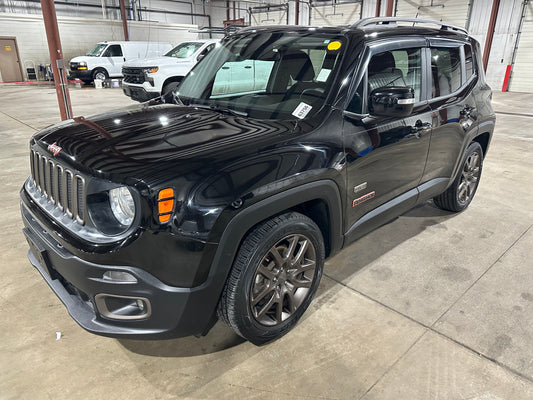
(184, 50)
(268, 75)
(97, 50)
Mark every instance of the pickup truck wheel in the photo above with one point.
(459, 195)
(100, 74)
(168, 91)
(274, 277)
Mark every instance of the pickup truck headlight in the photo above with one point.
(122, 205)
(151, 70)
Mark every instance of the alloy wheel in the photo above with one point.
(469, 178)
(283, 279)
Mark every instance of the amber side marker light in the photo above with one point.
(165, 204)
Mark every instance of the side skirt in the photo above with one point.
(395, 207)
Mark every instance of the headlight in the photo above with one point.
(82, 64)
(151, 70)
(122, 205)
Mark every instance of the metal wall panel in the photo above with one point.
(521, 79)
(331, 14)
(454, 12)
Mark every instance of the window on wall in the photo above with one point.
(469, 62)
(446, 70)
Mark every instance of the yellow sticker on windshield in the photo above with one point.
(336, 45)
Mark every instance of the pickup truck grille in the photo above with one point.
(133, 75)
(59, 185)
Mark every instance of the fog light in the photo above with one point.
(119, 276)
(122, 307)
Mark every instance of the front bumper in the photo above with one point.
(83, 74)
(174, 311)
(138, 93)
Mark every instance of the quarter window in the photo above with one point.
(469, 62)
(446, 70)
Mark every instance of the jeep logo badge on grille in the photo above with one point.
(54, 149)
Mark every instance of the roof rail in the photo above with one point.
(393, 21)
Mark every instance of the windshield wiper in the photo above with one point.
(215, 108)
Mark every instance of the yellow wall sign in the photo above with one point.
(336, 45)
(7, 48)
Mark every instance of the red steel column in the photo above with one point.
(56, 58)
(490, 33)
(390, 8)
(297, 12)
(124, 20)
(378, 8)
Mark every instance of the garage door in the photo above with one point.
(269, 16)
(521, 80)
(329, 13)
(453, 12)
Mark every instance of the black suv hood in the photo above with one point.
(142, 142)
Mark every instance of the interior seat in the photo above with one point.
(382, 72)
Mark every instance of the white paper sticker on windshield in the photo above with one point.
(302, 110)
(323, 75)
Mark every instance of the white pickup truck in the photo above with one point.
(150, 78)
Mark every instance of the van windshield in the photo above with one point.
(97, 50)
(184, 50)
(268, 75)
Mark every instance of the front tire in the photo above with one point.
(100, 74)
(274, 277)
(168, 92)
(459, 195)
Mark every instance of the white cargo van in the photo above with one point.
(106, 58)
(153, 77)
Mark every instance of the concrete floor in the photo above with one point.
(431, 306)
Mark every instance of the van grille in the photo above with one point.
(133, 75)
(59, 185)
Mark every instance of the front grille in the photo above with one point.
(133, 75)
(59, 185)
(74, 65)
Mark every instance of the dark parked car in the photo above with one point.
(285, 145)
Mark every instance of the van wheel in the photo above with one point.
(274, 277)
(100, 74)
(459, 195)
(168, 91)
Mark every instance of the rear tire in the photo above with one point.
(274, 277)
(459, 195)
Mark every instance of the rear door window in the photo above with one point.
(445, 70)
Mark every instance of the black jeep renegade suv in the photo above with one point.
(285, 144)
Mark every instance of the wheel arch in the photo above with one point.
(171, 79)
(100, 68)
(483, 139)
(320, 201)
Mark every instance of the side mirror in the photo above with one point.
(393, 101)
